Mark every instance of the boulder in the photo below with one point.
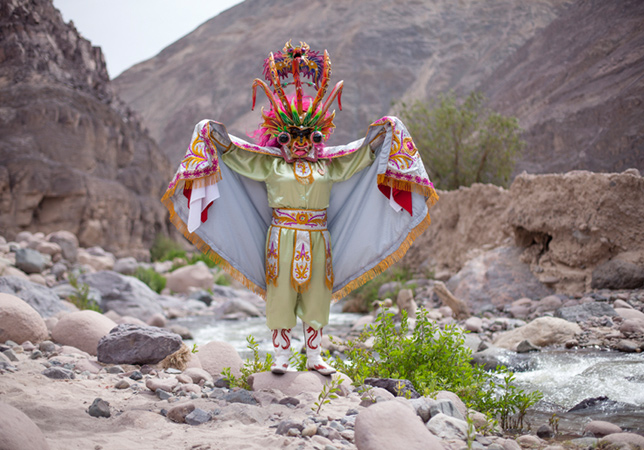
(293, 383)
(495, 279)
(68, 243)
(541, 332)
(617, 274)
(126, 295)
(30, 261)
(600, 428)
(583, 312)
(392, 425)
(18, 431)
(619, 439)
(197, 375)
(97, 260)
(185, 278)
(447, 427)
(83, 330)
(40, 298)
(398, 387)
(216, 355)
(237, 308)
(630, 313)
(19, 322)
(134, 344)
(126, 266)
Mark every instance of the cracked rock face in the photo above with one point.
(74, 156)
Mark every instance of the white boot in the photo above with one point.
(313, 340)
(282, 346)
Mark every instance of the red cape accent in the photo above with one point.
(403, 198)
(187, 193)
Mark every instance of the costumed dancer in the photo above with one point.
(266, 212)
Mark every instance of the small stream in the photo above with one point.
(564, 377)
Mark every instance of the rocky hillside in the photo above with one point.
(384, 51)
(578, 89)
(73, 156)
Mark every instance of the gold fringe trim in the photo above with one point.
(300, 287)
(205, 248)
(409, 186)
(385, 263)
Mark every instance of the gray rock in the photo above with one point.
(202, 296)
(59, 373)
(447, 427)
(545, 432)
(122, 384)
(526, 346)
(163, 394)
(135, 344)
(445, 406)
(68, 244)
(58, 270)
(179, 412)
(286, 425)
(126, 266)
(627, 346)
(617, 274)
(125, 295)
(236, 307)
(583, 312)
(240, 396)
(398, 387)
(47, 346)
(388, 289)
(99, 408)
(30, 261)
(495, 279)
(197, 417)
(10, 354)
(40, 298)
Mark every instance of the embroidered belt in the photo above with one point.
(303, 222)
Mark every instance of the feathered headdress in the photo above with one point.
(297, 112)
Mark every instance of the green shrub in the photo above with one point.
(463, 142)
(433, 359)
(251, 366)
(80, 297)
(154, 280)
(166, 249)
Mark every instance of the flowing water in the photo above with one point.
(565, 378)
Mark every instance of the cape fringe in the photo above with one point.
(205, 248)
(409, 186)
(300, 287)
(385, 263)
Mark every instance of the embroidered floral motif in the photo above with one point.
(328, 279)
(197, 155)
(303, 172)
(302, 219)
(272, 256)
(301, 265)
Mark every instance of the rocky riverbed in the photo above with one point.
(73, 379)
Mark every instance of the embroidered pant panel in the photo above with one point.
(299, 272)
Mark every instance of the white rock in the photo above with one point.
(541, 332)
(82, 329)
(217, 355)
(18, 431)
(19, 322)
(447, 427)
(195, 276)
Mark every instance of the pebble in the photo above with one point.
(59, 373)
(197, 417)
(115, 369)
(136, 375)
(10, 354)
(163, 395)
(122, 384)
(99, 408)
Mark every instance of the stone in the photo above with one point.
(20, 322)
(388, 289)
(447, 427)
(83, 330)
(617, 274)
(398, 387)
(452, 397)
(125, 295)
(391, 425)
(162, 394)
(184, 278)
(166, 384)
(632, 326)
(216, 355)
(600, 428)
(240, 396)
(585, 311)
(134, 344)
(198, 375)
(630, 313)
(59, 373)
(618, 439)
(48, 248)
(310, 430)
(528, 441)
(286, 425)
(549, 303)
(474, 324)
(197, 417)
(405, 301)
(179, 412)
(236, 307)
(446, 407)
(40, 298)
(542, 332)
(495, 279)
(157, 320)
(545, 432)
(97, 260)
(68, 243)
(627, 346)
(18, 431)
(619, 303)
(99, 408)
(294, 383)
(126, 266)
(526, 346)
(30, 261)
(202, 296)
(122, 384)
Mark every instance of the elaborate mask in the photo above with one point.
(299, 124)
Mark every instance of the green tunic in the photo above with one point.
(300, 185)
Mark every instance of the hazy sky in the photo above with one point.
(131, 31)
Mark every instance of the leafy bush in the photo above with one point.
(433, 359)
(154, 280)
(251, 366)
(80, 297)
(166, 249)
(463, 142)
